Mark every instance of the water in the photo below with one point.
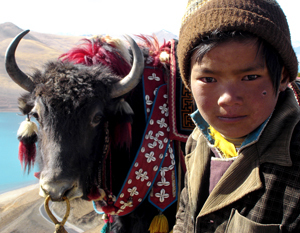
(12, 175)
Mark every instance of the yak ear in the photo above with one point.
(26, 103)
(123, 108)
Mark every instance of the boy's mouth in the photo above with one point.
(232, 118)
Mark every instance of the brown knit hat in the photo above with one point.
(263, 18)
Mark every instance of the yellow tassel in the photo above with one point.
(227, 148)
(159, 224)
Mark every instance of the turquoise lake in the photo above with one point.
(11, 172)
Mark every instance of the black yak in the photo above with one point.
(93, 125)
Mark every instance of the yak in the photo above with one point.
(92, 126)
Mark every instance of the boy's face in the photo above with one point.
(233, 89)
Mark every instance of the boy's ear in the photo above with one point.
(284, 81)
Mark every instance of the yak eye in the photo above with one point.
(96, 120)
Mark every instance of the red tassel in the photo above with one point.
(37, 175)
(109, 209)
(98, 51)
(123, 134)
(108, 218)
(27, 154)
(27, 134)
(94, 194)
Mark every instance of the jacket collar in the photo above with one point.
(242, 177)
(203, 127)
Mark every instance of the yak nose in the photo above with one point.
(60, 188)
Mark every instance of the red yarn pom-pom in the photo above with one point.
(27, 154)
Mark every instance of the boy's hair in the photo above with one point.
(262, 18)
(265, 50)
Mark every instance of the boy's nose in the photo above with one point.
(230, 96)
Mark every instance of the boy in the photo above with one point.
(243, 157)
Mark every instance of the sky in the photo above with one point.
(114, 17)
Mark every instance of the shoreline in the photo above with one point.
(9, 110)
(11, 194)
(14, 187)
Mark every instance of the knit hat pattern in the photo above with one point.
(263, 18)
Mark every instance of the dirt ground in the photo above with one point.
(20, 213)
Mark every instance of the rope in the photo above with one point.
(59, 226)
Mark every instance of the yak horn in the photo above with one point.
(132, 79)
(12, 68)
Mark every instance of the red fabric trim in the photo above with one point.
(174, 135)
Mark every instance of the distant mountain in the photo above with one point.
(9, 30)
(165, 35)
(34, 50)
(297, 50)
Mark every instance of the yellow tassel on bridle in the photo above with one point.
(159, 224)
(227, 148)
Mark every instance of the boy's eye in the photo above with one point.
(208, 80)
(250, 77)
